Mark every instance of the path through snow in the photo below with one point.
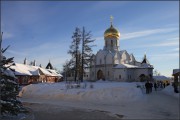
(156, 105)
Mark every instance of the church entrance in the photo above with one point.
(100, 75)
(142, 78)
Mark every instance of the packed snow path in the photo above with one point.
(156, 105)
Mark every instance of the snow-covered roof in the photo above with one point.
(145, 65)
(22, 69)
(125, 66)
(161, 78)
(176, 71)
(45, 72)
(54, 72)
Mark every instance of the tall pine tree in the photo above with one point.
(80, 59)
(9, 88)
(86, 50)
(74, 51)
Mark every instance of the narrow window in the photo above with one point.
(111, 43)
(106, 43)
(119, 76)
(108, 73)
(100, 61)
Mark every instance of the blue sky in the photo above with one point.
(42, 30)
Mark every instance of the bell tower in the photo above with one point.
(111, 37)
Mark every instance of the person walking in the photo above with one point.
(164, 84)
(155, 86)
(147, 85)
(150, 87)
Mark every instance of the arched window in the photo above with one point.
(111, 43)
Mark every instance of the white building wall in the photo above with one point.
(109, 72)
(144, 71)
(122, 73)
(125, 58)
(109, 59)
(100, 58)
(130, 74)
(117, 58)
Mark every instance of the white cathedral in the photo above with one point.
(118, 65)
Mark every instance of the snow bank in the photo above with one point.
(102, 92)
(169, 90)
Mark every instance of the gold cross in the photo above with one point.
(111, 18)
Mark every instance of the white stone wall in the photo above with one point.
(117, 58)
(125, 58)
(144, 71)
(112, 46)
(122, 73)
(100, 57)
(109, 72)
(109, 58)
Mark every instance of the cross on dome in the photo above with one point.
(111, 19)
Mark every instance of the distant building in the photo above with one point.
(27, 74)
(110, 63)
(162, 78)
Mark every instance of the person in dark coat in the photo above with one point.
(164, 84)
(147, 85)
(161, 84)
(150, 87)
(155, 86)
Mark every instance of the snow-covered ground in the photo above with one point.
(169, 90)
(115, 97)
(104, 92)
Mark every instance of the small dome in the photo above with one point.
(112, 32)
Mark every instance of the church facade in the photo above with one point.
(110, 63)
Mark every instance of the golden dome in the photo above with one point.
(112, 32)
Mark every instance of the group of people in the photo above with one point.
(149, 85)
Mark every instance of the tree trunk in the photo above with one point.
(82, 73)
